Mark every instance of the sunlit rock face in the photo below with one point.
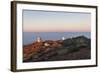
(49, 50)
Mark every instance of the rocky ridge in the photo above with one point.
(69, 49)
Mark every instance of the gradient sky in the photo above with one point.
(46, 21)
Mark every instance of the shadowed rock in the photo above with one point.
(68, 49)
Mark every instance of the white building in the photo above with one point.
(38, 39)
(63, 38)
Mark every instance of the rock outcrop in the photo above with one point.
(68, 49)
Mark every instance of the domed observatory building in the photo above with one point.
(38, 39)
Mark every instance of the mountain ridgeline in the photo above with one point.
(75, 48)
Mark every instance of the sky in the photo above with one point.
(52, 21)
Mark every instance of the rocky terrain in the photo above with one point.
(69, 49)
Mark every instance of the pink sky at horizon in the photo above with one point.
(40, 21)
(60, 30)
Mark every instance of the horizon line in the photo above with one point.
(56, 31)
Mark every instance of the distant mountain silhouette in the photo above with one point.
(69, 49)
